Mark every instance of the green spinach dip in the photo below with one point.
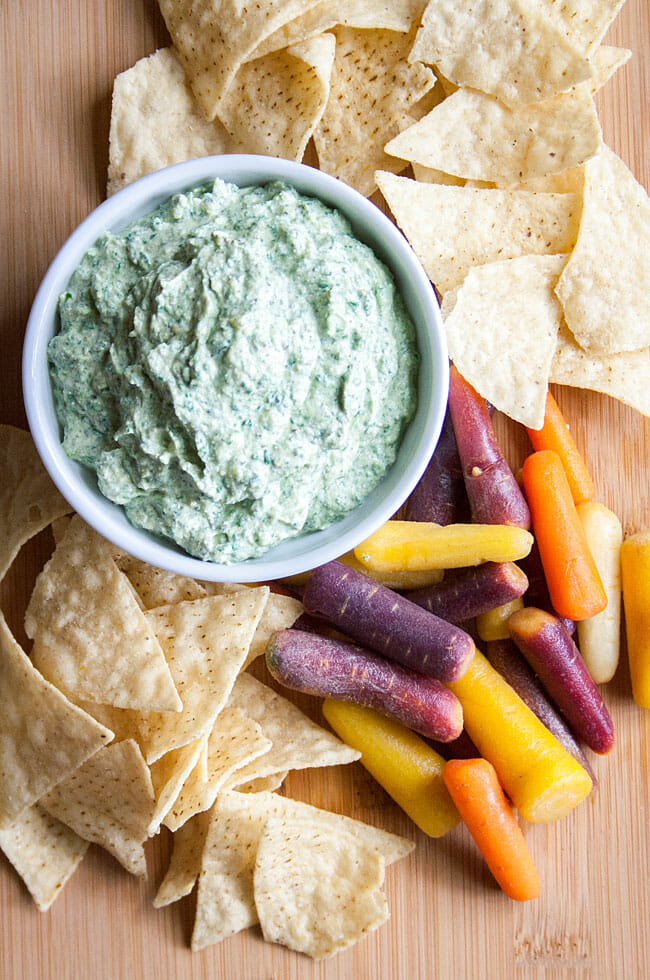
(235, 366)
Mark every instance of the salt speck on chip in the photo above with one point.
(507, 48)
(605, 284)
(44, 852)
(502, 332)
(91, 638)
(43, 737)
(316, 889)
(206, 643)
(452, 229)
(473, 135)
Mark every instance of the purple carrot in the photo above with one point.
(460, 748)
(537, 594)
(386, 622)
(440, 495)
(494, 494)
(475, 591)
(556, 660)
(506, 659)
(329, 668)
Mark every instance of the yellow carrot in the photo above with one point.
(635, 572)
(600, 636)
(543, 781)
(417, 546)
(493, 625)
(408, 769)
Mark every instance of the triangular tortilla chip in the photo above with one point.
(374, 95)
(605, 284)
(504, 353)
(473, 135)
(316, 889)
(29, 501)
(43, 737)
(605, 61)
(234, 741)
(452, 229)
(265, 784)
(156, 586)
(168, 775)
(214, 37)
(225, 902)
(44, 852)
(185, 865)
(90, 636)
(585, 22)
(508, 49)
(298, 742)
(109, 801)
(624, 376)
(206, 643)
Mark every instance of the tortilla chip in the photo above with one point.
(510, 49)
(29, 501)
(265, 784)
(213, 38)
(206, 643)
(452, 229)
(374, 95)
(44, 852)
(234, 741)
(185, 865)
(156, 586)
(396, 16)
(43, 737)
(262, 111)
(605, 61)
(605, 285)
(168, 775)
(624, 376)
(109, 801)
(280, 612)
(297, 742)
(428, 175)
(585, 22)
(570, 181)
(503, 348)
(201, 768)
(156, 121)
(472, 135)
(316, 890)
(225, 902)
(90, 636)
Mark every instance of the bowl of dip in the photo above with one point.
(235, 368)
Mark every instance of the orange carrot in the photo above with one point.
(573, 581)
(475, 789)
(556, 435)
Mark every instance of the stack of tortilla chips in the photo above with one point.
(135, 710)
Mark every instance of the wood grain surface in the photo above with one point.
(449, 920)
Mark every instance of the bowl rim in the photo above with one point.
(143, 196)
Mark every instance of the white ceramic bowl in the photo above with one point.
(306, 551)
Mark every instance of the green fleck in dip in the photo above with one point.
(236, 367)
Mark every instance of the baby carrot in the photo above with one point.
(572, 577)
(475, 789)
(556, 435)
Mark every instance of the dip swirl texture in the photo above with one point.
(236, 367)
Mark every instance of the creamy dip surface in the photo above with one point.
(236, 367)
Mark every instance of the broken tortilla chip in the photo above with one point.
(507, 48)
(185, 865)
(316, 889)
(109, 801)
(91, 638)
(472, 135)
(29, 501)
(43, 737)
(452, 229)
(44, 852)
(509, 363)
(605, 284)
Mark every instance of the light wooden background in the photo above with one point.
(57, 62)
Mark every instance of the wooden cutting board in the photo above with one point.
(59, 58)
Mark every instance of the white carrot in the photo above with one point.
(599, 637)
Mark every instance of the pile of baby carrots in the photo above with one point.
(391, 631)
